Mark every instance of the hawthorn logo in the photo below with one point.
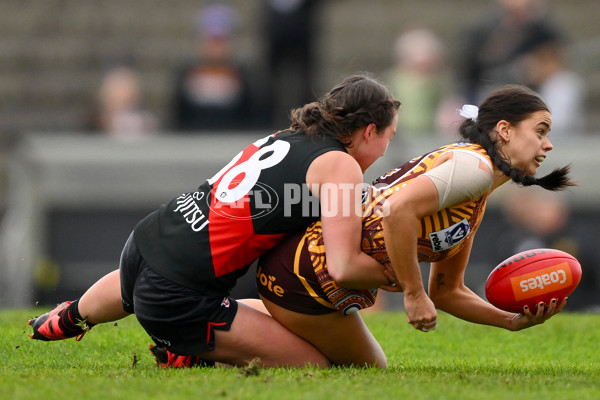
(543, 281)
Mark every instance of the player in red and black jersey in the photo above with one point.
(190, 240)
(181, 261)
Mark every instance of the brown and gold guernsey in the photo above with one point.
(441, 236)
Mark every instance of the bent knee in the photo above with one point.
(380, 362)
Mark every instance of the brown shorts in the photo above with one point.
(285, 276)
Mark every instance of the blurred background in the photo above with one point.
(109, 108)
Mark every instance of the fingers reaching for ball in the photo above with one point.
(543, 312)
(561, 305)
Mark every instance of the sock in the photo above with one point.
(71, 321)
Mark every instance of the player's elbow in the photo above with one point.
(341, 270)
(338, 274)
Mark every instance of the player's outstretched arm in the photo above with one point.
(449, 293)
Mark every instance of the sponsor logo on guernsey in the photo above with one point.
(192, 214)
(543, 281)
(449, 237)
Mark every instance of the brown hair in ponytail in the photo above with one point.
(354, 103)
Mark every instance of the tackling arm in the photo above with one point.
(339, 180)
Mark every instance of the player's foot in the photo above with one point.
(165, 359)
(51, 325)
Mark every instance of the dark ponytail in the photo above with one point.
(354, 103)
(513, 103)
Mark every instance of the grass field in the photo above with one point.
(557, 360)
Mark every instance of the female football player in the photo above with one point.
(427, 210)
(181, 261)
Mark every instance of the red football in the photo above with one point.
(530, 277)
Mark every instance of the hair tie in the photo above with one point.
(469, 111)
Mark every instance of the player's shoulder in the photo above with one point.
(470, 150)
(464, 146)
(330, 161)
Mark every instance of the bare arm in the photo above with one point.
(413, 202)
(449, 293)
(456, 178)
(339, 181)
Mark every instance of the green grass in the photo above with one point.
(557, 360)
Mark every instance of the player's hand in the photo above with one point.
(544, 312)
(420, 311)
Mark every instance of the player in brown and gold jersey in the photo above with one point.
(427, 210)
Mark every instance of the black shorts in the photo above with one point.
(176, 317)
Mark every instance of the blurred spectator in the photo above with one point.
(212, 91)
(491, 50)
(418, 79)
(541, 219)
(562, 89)
(537, 220)
(290, 31)
(119, 111)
